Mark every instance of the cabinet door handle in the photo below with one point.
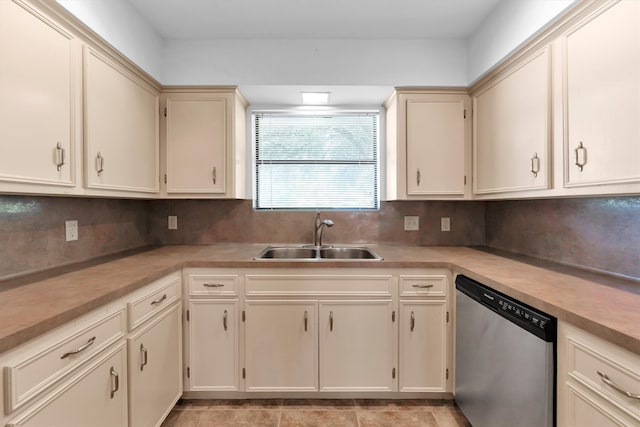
(213, 175)
(99, 164)
(80, 349)
(418, 286)
(605, 379)
(331, 321)
(413, 321)
(159, 300)
(418, 177)
(115, 382)
(59, 157)
(143, 357)
(224, 320)
(535, 165)
(213, 285)
(306, 320)
(581, 156)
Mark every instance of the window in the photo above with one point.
(316, 161)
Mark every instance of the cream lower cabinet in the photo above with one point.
(39, 77)
(155, 368)
(357, 346)
(600, 62)
(281, 352)
(97, 397)
(592, 381)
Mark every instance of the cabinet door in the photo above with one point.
(435, 145)
(512, 132)
(602, 97)
(357, 346)
(197, 130)
(281, 346)
(423, 346)
(96, 397)
(213, 345)
(155, 368)
(37, 88)
(121, 119)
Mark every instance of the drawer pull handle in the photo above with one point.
(581, 156)
(413, 321)
(159, 300)
(224, 320)
(79, 349)
(213, 285)
(418, 177)
(99, 164)
(422, 286)
(59, 156)
(115, 381)
(214, 175)
(306, 320)
(331, 321)
(535, 165)
(144, 355)
(605, 379)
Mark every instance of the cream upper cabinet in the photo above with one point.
(428, 138)
(121, 128)
(204, 143)
(512, 128)
(601, 81)
(358, 346)
(39, 67)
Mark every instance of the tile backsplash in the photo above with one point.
(601, 233)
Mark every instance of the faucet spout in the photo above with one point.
(319, 228)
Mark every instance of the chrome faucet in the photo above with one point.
(317, 232)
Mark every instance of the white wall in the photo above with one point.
(316, 62)
(120, 24)
(510, 24)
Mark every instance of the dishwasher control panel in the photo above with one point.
(538, 323)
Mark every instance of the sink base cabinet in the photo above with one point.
(281, 350)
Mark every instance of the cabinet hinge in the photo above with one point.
(244, 316)
(165, 111)
(447, 317)
(244, 373)
(165, 178)
(188, 372)
(393, 373)
(393, 316)
(464, 115)
(446, 373)
(187, 315)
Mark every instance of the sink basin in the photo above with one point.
(325, 253)
(347, 253)
(288, 253)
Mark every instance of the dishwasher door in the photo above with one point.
(504, 374)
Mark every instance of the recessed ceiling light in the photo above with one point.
(315, 98)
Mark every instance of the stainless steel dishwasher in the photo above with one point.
(505, 359)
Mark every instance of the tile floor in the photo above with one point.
(316, 413)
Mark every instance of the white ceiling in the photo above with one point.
(313, 19)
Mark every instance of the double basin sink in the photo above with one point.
(314, 253)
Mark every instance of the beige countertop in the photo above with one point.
(32, 309)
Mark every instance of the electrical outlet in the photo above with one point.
(411, 223)
(71, 230)
(445, 223)
(173, 222)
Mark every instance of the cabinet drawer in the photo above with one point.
(603, 367)
(66, 349)
(423, 285)
(320, 285)
(213, 285)
(160, 294)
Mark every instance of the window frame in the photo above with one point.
(308, 110)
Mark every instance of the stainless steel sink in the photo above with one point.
(306, 253)
(347, 253)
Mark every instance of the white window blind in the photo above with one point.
(316, 161)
